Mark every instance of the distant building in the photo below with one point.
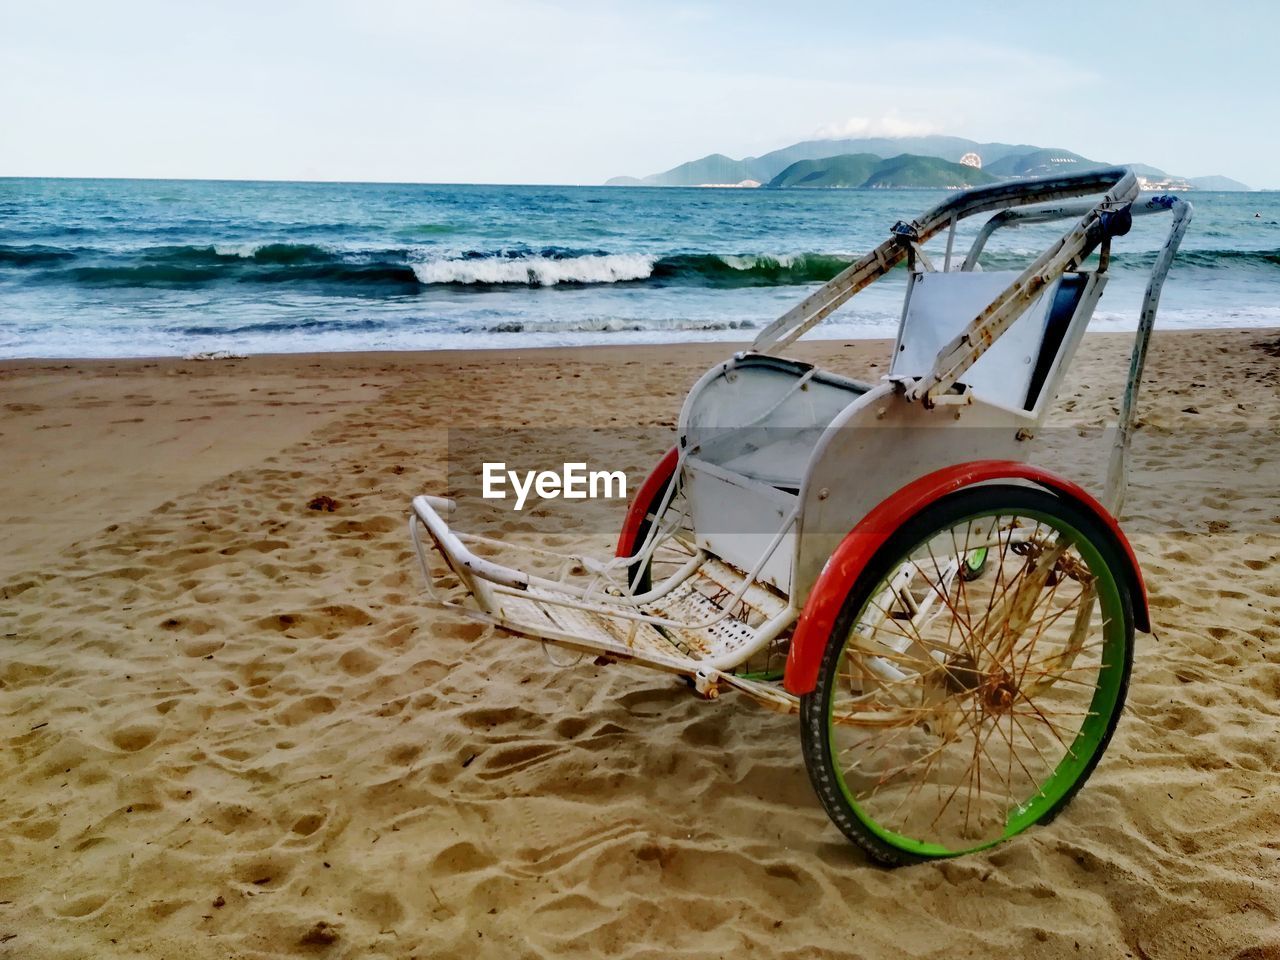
(1163, 184)
(972, 160)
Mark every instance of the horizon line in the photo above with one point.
(486, 183)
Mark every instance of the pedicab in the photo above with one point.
(953, 624)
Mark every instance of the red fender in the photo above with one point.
(860, 545)
(644, 498)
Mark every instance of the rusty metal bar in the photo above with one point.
(1066, 253)
(816, 307)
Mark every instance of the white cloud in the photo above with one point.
(890, 125)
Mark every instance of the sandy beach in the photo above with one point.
(231, 726)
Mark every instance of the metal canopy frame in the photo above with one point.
(1096, 225)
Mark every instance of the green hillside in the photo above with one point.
(868, 171)
(847, 170)
(714, 168)
(934, 145)
(1039, 163)
(908, 170)
(717, 168)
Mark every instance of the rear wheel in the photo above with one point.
(958, 703)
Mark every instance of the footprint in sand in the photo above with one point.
(308, 823)
(306, 710)
(81, 905)
(461, 857)
(135, 737)
(359, 662)
(264, 871)
(201, 647)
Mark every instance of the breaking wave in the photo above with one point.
(401, 268)
(538, 270)
(551, 268)
(616, 325)
(399, 271)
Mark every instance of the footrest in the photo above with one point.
(707, 619)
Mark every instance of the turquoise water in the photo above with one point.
(104, 268)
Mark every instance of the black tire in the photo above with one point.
(815, 707)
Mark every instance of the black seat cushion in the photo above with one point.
(1057, 319)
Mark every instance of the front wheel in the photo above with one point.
(951, 711)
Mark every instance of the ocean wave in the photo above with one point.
(616, 325)
(34, 255)
(277, 253)
(426, 229)
(751, 270)
(310, 326)
(142, 275)
(538, 270)
(1216, 258)
(551, 268)
(193, 266)
(1205, 259)
(377, 274)
(396, 271)
(336, 275)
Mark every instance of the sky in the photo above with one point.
(504, 91)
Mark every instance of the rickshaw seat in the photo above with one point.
(1013, 370)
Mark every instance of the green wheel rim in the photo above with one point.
(1079, 758)
(976, 560)
(765, 676)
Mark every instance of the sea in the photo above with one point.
(125, 268)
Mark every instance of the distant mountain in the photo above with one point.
(908, 170)
(1195, 183)
(1038, 163)
(1145, 170)
(846, 170)
(1000, 160)
(867, 171)
(716, 168)
(1216, 183)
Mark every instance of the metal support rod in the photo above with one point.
(1047, 213)
(1117, 469)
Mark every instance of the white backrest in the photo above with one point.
(940, 305)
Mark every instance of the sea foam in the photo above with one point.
(537, 271)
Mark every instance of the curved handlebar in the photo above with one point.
(1018, 193)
